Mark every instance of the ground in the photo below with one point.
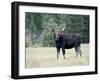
(47, 57)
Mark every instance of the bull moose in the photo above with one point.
(63, 42)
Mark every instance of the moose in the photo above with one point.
(63, 42)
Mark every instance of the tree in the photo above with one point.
(39, 26)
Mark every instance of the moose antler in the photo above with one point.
(62, 27)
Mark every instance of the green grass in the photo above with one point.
(47, 57)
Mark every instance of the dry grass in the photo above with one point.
(47, 57)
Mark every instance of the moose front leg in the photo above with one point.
(58, 51)
(63, 51)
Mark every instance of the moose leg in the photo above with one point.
(58, 51)
(63, 51)
(80, 52)
(77, 51)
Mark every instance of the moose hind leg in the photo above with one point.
(80, 52)
(77, 51)
(63, 51)
(58, 51)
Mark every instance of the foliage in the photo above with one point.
(39, 26)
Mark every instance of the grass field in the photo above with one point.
(47, 57)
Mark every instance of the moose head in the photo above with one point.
(59, 31)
